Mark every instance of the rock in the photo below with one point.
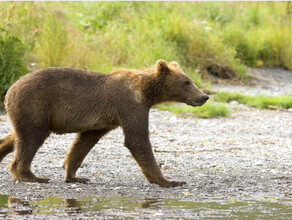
(234, 102)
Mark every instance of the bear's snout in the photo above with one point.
(205, 98)
(197, 101)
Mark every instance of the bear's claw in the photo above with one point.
(34, 179)
(167, 183)
(78, 180)
(177, 183)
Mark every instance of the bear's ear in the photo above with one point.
(162, 67)
(174, 64)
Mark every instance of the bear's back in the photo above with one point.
(53, 83)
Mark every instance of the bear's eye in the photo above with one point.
(187, 83)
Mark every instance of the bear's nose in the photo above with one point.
(205, 98)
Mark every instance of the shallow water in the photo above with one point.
(141, 208)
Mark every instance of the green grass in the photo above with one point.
(196, 34)
(260, 102)
(208, 110)
(52, 46)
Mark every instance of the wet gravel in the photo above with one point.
(246, 156)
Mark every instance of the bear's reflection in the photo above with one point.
(19, 207)
(71, 207)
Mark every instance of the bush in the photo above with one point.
(12, 60)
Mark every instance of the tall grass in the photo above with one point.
(52, 47)
(197, 34)
(144, 32)
(260, 33)
(231, 35)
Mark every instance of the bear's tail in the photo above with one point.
(6, 145)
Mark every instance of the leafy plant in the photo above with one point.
(12, 60)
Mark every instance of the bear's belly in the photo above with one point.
(81, 125)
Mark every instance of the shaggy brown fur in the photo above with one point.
(64, 100)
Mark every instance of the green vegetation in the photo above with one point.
(52, 47)
(199, 35)
(12, 64)
(209, 110)
(284, 102)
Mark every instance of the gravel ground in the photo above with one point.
(245, 157)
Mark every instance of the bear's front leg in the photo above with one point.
(142, 152)
(135, 127)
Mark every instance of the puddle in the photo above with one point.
(141, 208)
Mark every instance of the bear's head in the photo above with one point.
(177, 86)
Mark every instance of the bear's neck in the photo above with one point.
(152, 90)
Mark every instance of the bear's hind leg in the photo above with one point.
(83, 143)
(26, 146)
(6, 146)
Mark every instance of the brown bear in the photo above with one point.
(65, 100)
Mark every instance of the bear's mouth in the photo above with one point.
(195, 103)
